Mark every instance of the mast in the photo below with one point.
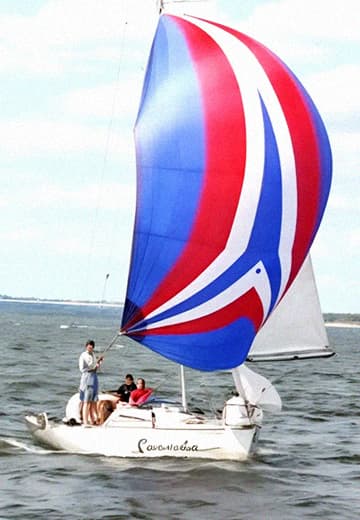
(104, 290)
(160, 5)
(183, 389)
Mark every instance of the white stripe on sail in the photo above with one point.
(256, 278)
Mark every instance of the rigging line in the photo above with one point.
(111, 344)
(210, 400)
(115, 230)
(102, 301)
(107, 147)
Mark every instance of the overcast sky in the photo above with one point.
(71, 76)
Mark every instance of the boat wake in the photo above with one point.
(8, 445)
(265, 451)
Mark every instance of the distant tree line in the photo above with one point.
(44, 300)
(346, 317)
(329, 317)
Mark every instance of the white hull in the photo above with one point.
(163, 431)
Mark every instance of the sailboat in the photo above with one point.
(233, 175)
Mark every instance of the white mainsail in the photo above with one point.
(296, 328)
(256, 390)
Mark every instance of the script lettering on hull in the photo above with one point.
(144, 446)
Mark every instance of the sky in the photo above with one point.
(71, 78)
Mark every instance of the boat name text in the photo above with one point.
(143, 446)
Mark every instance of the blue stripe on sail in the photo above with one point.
(264, 240)
(231, 345)
(324, 154)
(168, 132)
(267, 227)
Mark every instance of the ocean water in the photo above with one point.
(307, 464)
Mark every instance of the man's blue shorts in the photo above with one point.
(89, 394)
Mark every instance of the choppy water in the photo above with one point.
(307, 465)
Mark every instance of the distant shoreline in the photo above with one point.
(62, 302)
(349, 320)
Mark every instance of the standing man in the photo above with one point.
(89, 384)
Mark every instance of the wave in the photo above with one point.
(343, 325)
(9, 445)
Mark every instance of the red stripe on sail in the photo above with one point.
(247, 305)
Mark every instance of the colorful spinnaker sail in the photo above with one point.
(234, 171)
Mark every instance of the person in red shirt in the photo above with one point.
(141, 394)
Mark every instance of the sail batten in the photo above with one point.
(291, 355)
(230, 153)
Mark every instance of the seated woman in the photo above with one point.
(141, 394)
(105, 408)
